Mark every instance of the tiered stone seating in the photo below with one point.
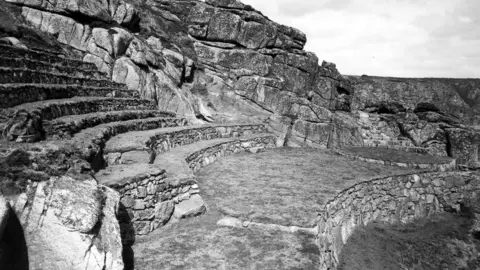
(149, 156)
(153, 169)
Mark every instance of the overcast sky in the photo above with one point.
(402, 38)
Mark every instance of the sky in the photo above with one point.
(400, 38)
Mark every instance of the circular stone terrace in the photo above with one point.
(263, 209)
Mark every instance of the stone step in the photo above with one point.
(80, 72)
(55, 108)
(91, 141)
(16, 94)
(128, 147)
(146, 189)
(18, 75)
(65, 127)
(11, 51)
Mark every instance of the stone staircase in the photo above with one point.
(148, 155)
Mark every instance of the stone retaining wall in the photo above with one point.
(150, 202)
(391, 199)
(164, 141)
(206, 156)
(426, 166)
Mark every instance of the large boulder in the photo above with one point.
(70, 224)
(465, 146)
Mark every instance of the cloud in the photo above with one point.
(405, 38)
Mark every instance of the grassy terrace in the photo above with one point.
(280, 186)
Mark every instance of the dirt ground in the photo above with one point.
(439, 242)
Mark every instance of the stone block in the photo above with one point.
(192, 207)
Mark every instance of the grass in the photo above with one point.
(198, 243)
(439, 242)
(393, 155)
(283, 186)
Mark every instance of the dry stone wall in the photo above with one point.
(393, 199)
(165, 140)
(152, 199)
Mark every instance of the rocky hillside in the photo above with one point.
(458, 97)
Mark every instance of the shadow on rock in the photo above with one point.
(128, 236)
(13, 247)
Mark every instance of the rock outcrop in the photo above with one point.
(70, 224)
(237, 64)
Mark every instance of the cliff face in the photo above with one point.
(457, 97)
(211, 61)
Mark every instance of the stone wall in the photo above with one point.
(206, 156)
(442, 167)
(393, 199)
(151, 200)
(165, 140)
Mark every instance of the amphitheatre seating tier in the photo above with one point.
(51, 109)
(401, 158)
(161, 140)
(92, 140)
(11, 51)
(16, 94)
(20, 75)
(29, 64)
(147, 188)
(67, 126)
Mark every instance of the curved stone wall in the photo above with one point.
(442, 167)
(393, 199)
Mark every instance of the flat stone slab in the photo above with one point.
(192, 207)
(120, 175)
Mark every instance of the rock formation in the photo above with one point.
(70, 224)
(94, 95)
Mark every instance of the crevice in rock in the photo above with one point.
(13, 246)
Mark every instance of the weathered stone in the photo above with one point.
(192, 207)
(69, 210)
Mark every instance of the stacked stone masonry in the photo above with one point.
(392, 199)
(150, 199)
(452, 165)
(163, 141)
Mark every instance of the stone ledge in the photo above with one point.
(51, 109)
(65, 127)
(442, 167)
(399, 198)
(164, 139)
(9, 51)
(20, 75)
(91, 141)
(16, 94)
(30, 64)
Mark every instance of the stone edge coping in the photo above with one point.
(54, 65)
(68, 119)
(69, 101)
(52, 54)
(420, 150)
(436, 166)
(175, 160)
(142, 138)
(52, 74)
